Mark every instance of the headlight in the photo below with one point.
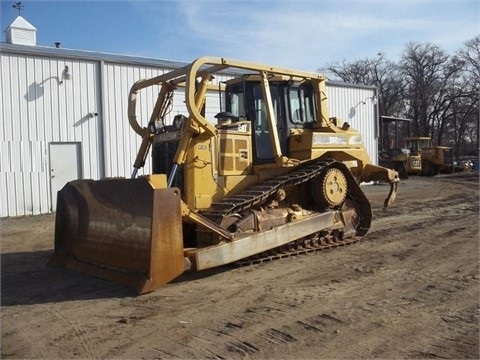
(328, 139)
(322, 139)
(355, 140)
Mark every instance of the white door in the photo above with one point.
(65, 166)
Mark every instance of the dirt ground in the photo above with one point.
(409, 290)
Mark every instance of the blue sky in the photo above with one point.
(303, 34)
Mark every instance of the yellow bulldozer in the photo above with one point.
(435, 159)
(394, 154)
(402, 160)
(271, 175)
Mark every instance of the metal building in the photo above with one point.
(64, 117)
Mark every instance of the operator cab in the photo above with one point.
(417, 143)
(293, 107)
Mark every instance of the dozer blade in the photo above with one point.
(122, 230)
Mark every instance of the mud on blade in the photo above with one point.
(107, 228)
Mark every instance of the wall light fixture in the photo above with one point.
(66, 74)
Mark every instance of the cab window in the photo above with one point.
(301, 105)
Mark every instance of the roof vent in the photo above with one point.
(21, 32)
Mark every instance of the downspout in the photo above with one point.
(101, 120)
(376, 117)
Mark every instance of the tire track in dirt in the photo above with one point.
(22, 340)
(463, 327)
(68, 329)
(249, 332)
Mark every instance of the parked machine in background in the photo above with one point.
(402, 160)
(435, 159)
(274, 176)
(393, 153)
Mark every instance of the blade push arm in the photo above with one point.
(162, 106)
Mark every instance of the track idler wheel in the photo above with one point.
(330, 188)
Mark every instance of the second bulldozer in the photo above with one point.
(271, 175)
(435, 159)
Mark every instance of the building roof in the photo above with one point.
(55, 52)
(21, 23)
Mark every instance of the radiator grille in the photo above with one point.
(164, 147)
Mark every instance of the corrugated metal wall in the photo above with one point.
(355, 105)
(120, 141)
(38, 109)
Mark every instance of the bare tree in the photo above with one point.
(423, 66)
(379, 72)
(466, 113)
(439, 92)
(471, 55)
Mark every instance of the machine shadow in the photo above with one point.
(26, 280)
(191, 275)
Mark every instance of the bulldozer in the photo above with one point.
(271, 175)
(435, 159)
(394, 154)
(402, 160)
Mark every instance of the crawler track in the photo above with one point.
(321, 240)
(299, 247)
(259, 193)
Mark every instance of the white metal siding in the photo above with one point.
(354, 105)
(37, 109)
